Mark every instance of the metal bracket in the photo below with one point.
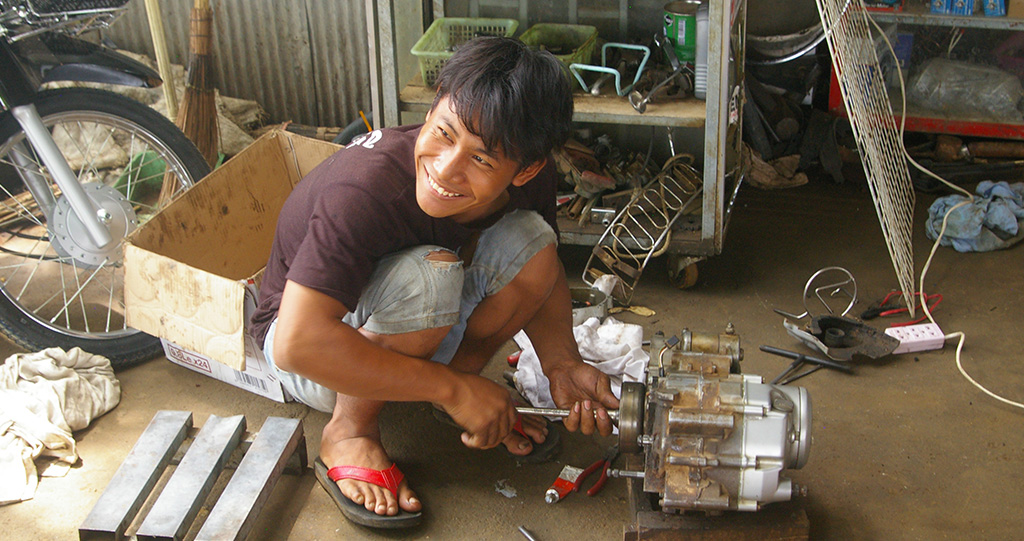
(575, 68)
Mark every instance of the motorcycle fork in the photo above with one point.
(91, 215)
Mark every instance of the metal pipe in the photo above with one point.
(553, 412)
(526, 534)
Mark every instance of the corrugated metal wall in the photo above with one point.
(302, 60)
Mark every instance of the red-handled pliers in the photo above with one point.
(885, 309)
(602, 465)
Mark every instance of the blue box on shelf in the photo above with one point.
(941, 7)
(995, 8)
(961, 7)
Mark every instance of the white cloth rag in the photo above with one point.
(613, 347)
(44, 396)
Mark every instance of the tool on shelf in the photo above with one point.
(639, 101)
(575, 68)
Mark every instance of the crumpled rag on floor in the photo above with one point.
(44, 396)
(994, 220)
(615, 348)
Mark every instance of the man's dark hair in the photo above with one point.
(515, 99)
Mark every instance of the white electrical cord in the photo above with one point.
(942, 230)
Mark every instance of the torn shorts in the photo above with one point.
(409, 293)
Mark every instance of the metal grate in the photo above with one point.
(643, 228)
(875, 129)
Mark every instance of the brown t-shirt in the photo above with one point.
(359, 205)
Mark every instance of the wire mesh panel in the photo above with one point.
(875, 129)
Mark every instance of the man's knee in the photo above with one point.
(441, 258)
(413, 290)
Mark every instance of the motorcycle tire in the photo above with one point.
(53, 292)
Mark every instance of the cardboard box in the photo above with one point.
(192, 272)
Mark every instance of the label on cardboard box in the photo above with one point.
(257, 378)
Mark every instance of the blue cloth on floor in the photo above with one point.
(995, 219)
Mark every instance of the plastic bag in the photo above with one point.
(967, 89)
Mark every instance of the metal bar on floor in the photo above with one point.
(134, 479)
(235, 512)
(182, 497)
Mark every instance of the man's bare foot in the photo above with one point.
(367, 452)
(537, 430)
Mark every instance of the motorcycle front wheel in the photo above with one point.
(128, 158)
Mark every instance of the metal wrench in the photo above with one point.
(640, 103)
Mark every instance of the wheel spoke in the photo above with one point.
(67, 302)
(30, 276)
(81, 302)
(21, 210)
(88, 157)
(138, 169)
(110, 299)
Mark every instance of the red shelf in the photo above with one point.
(932, 122)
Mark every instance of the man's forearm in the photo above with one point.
(312, 340)
(345, 361)
(573, 383)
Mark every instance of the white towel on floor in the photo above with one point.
(44, 396)
(615, 348)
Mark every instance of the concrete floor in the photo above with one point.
(903, 449)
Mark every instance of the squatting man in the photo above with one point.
(403, 262)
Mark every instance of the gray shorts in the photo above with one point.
(409, 293)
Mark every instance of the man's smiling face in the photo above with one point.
(457, 176)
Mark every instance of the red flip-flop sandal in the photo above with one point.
(389, 479)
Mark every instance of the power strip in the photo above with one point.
(921, 337)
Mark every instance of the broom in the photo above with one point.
(197, 116)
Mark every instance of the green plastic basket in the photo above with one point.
(439, 42)
(570, 43)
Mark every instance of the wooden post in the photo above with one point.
(163, 62)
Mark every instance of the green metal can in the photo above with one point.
(681, 28)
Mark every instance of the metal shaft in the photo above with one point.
(806, 358)
(553, 412)
(526, 533)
